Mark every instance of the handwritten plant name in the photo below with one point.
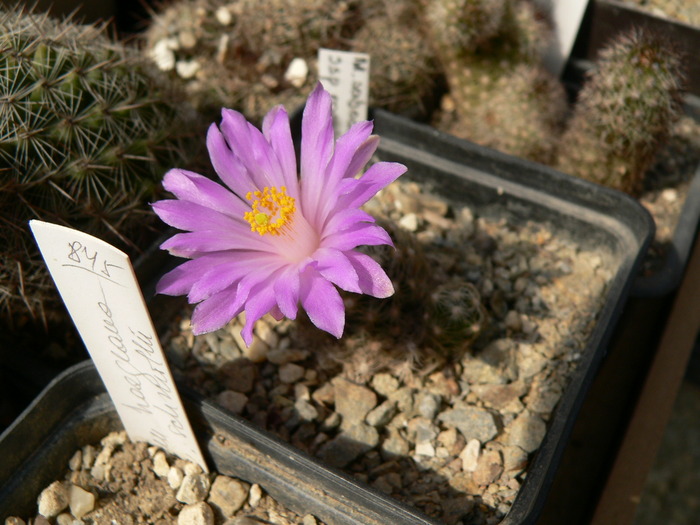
(146, 375)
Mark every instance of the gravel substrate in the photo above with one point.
(447, 425)
(125, 483)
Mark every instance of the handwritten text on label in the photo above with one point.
(98, 286)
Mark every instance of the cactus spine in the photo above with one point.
(85, 134)
(624, 112)
(499, 94)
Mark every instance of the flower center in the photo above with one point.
(271, 210)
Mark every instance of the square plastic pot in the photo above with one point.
(64, 417)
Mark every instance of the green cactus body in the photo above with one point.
(86, 132)
(624, 112)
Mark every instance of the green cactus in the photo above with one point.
(624, 112)
(86, 132)
(500, 95)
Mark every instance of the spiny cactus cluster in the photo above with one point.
(403, 68)
(624, 112)
(252, 54)
(242, 54)
(425, 320)
(86, 132)
(500, 94)
(456, 314)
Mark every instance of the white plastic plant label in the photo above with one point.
(98, 285)
(566, 16)
(345, 75)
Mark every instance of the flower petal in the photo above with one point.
(192, 187)
(346, 218)
(252, 148)
(189, 216)
(322, 302)
(286, 289)
(180, 280)
(352, 151)
(372, 279)
(228, 167)
(333, 265)
(316, 149)
(233, 238)
(247, 271)
(260, 301)
(217, 311)
(378, 176)
(276, 131)
(358, 235)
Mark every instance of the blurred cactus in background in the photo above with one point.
(253, 54)
(403, 69)
(624, 112)
(500, 95)
(250, 54)
(86, 132)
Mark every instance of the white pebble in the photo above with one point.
(194, 488)
(425, 448)
(669, 195)
(297, 72)
(470, 455)
(187, 68)
(224, 16)
(175, 477)
(409, 222)
(196, 514)
(76, 460)
(81, 501)
(163, 53)
(254, 495)
(160, 464)
(192, 468)
(53, 500)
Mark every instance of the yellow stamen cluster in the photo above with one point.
(271, 210)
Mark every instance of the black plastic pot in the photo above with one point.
(493, 185)
(75, 410)
(606, 411)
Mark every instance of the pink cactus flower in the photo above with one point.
(274, 238)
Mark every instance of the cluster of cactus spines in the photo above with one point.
(518, 110)
(458, 25)
(241, 54)
(86, 132)
(424, 321)
(403, 70)
(456, 315)
(403, 315)
(500, 95)
(624, 112)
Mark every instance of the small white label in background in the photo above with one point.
(97, 283)
(345, 75)
(566, 16)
